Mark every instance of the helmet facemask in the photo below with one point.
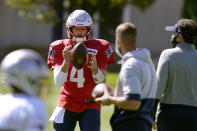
(80, 38)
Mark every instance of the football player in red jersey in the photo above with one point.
(75, 98)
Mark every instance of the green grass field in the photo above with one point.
(50, 95)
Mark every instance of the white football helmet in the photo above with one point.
(79, 18)
(24, 69)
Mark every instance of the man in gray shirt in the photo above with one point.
(177, 80)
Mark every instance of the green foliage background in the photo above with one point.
(190, 11)
(51, 11)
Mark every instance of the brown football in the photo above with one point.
(79, 55)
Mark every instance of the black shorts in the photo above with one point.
(133, 125)
(89, 120)
(176, 124)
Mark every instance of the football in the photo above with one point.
(98, 90)
(79, 55)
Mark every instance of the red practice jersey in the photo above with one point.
(80, 83)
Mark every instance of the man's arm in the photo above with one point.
(162, 74)
(131, 88)
(125, 103)
(162, 77)
(59, 75)
(61, 72)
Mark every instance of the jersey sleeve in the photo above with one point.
(55, 54)
(105, 56)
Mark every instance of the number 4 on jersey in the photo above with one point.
(79, 79)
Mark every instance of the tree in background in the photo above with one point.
(190, 11)
(51, 11)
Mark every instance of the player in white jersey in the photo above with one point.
(22, 109)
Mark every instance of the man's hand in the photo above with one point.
(106, 98)
(66, 54)
(93, 64)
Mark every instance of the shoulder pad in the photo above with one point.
(101, 41)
